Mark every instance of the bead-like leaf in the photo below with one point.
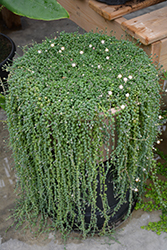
(2, 101)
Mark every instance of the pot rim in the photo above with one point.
(10, 56)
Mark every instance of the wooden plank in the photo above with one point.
(155, 51)
(148, 28)
(163, 54)
(111, 12)
(159, 53)
(89, 20)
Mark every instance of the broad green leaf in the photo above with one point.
(2, 101)
(36, 9)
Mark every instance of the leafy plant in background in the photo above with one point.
(152, 200)
(36, 9)
(71, 100)
(2, 101)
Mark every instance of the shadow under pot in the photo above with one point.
(7, 52)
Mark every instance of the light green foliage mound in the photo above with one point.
(59, 116)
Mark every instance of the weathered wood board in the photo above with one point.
(111, 12)
(163, 53)
(148, 28)
(85, 17)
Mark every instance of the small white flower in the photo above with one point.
(122, 106)
(106, 49)
(90, 45)
(165, 90)
(121, 87)
(39, 51)
(83, 74)
(158, 142)
(99, 66)
(119, 76)
(130, 77)
(81, 52)
(136, 190)
(46, 50)
(125, 79)
(73, 64)
(102, 41)
(110, 92)
(52, 45)
(137, 180)
(160, 117)
(100, 95)
(62, 48)
(32, 71)
(60, 51)
(144, 169)
(127, 94)
(107, 57)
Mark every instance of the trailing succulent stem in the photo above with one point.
(81, 108)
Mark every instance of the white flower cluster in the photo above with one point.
(61, 50)
(159, 141)
(125, 79)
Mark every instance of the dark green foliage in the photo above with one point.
(59, 117)
(155, 200)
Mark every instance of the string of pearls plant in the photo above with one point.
(77, 103)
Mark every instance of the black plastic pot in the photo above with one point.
(6, 61)
(113, 2)
(119, 216)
